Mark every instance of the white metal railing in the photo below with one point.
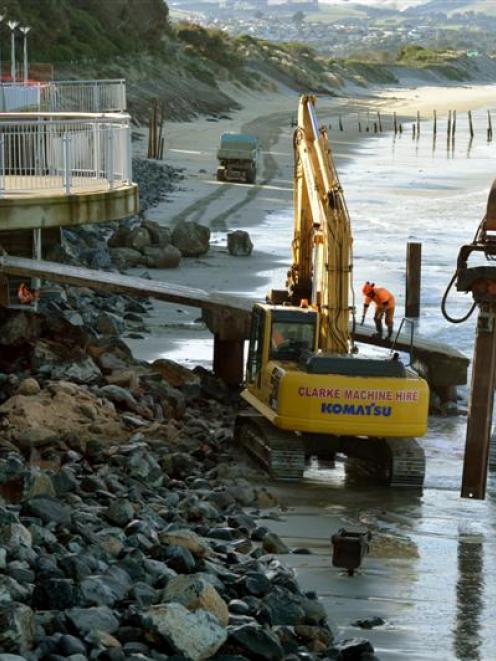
(64, 96)
(68, 152)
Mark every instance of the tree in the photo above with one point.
(298, 17)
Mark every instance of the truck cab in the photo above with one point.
(237, 156)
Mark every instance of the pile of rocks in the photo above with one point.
(152, 245)
(144, 244)
(155, 180)
(127, 527)
(106, 313)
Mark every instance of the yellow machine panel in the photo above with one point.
(355, 406)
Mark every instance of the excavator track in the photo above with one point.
(280, 452)
(399, 462)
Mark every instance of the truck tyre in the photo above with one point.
(251, 175)
(221, 174)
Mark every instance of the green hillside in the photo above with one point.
(186, 66)
(69, 30)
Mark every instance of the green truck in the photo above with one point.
(237, 156)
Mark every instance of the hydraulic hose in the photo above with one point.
(447, 316)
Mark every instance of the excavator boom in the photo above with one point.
(322, 240)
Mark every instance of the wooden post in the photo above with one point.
(481, 406)
(413, 131)
(413, 279)
(340, 123)
(159, 137)
(228, 360)
(434, 123)
(418, 124)
(379, 121)
(359, 123)
(470, 124)
(375, 127)
(489, 127)
(150, 137)
(395, 123)
(449, 125)
(154, 130)
(4, 291)
(453, 126)
(401, 128)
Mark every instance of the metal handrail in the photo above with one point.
(63, 152)
(108, 95)
(412, 337)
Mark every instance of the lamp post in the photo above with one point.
(25, 31)
(12, 25)
(2, 16)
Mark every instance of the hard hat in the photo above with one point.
(368, 288)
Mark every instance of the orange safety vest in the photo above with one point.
(382, 298)
(277, 338)
(25, 295)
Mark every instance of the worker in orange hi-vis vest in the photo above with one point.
(25, 295)
(384, 307)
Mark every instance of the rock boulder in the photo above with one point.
(195, 635)
(196, 593)
(158, 257)
(239, 244)
(192, 239)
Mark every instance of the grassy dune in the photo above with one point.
(185, 65)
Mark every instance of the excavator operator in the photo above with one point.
(384, 307)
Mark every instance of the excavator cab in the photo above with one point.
(279, 333)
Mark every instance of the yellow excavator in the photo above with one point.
(308, 391)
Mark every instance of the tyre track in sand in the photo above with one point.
(267, 129)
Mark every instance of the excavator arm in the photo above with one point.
(322, 240)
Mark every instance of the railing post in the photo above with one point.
(37, 255)
(96, 149)
(110, 157)
(129, 147)
(123, 96)
(96, 94)
(67, 163)
(2, 165)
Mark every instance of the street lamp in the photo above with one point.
(25, 33)
(2, 16)
(12, 25)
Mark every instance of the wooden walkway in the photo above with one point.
(228, 317)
